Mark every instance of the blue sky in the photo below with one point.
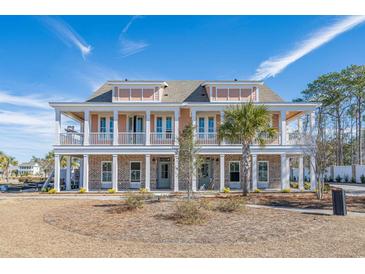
(65, 58)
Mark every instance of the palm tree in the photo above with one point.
(6, 162)
(246, 124)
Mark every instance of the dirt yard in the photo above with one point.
(84, 228)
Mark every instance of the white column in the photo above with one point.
(221, 172)
(176, 173)
(148, 127)
(312, 173)
(283, 127)
(115, 127)
(222, 119)
(193, 122)
(176, 126)
(148, 172)
(57, 177)
(193, 177)
(254, 172)
(81, 176)
(115, 172)
(68, 172)
(86, 127)
(311, 122)
(86, 172)
(301, 174)
(57, 125)
(284, 172)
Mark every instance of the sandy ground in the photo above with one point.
(80, 228)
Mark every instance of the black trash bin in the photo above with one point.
(339, 202)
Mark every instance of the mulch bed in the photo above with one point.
(152, 224)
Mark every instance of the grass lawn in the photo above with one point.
(85, 228)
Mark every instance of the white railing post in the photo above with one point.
(283, 127)
(312, 173)
(254, 172)
(176, 126)
(58, 125)
(148, 127)
(284, 172)
(115, 127)
(86, 127)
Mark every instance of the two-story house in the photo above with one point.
(128, 130)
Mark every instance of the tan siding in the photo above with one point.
(184, 118)
(94, 123)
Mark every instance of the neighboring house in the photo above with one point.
(29, 168)
(129, 129)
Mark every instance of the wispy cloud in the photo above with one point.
(277, 64)
(67, 35)
(33, 101)
(129, 47)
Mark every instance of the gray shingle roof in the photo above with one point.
(179, 91)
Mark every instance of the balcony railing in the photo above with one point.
(207, 138)
(294, 138)
(131, 138)
(162, 138)
(101, 138)
(71, 138)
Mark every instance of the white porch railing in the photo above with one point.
(207, 138)
(131, 138)
(294, 138)
(71, 138)
(101, 138)
(162, 138)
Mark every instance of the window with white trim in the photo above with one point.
(263, 171)
(136, 172)
(106, 172)
(234, 171)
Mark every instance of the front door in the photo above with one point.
(205, 175)
(164, 174)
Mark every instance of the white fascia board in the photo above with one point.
(254, 149)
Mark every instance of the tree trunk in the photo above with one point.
(245, 167)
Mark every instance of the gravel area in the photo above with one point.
(80, 228)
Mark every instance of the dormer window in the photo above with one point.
(130, 91)
(235, 91)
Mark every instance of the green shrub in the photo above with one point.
(143, 190)
(326, 187)
(353, 180)
(134, 201)
(338, 179)
(82, 190)
(52, 191)
(226, 190)
(188, 213)
(285, 190)
(230, 205)
(257, 190)
(346, 179)
(362, 179)
(111, 190)
(307, 186)
(294, 185)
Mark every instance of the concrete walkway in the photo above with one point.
(351, 189)
(307, 211)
